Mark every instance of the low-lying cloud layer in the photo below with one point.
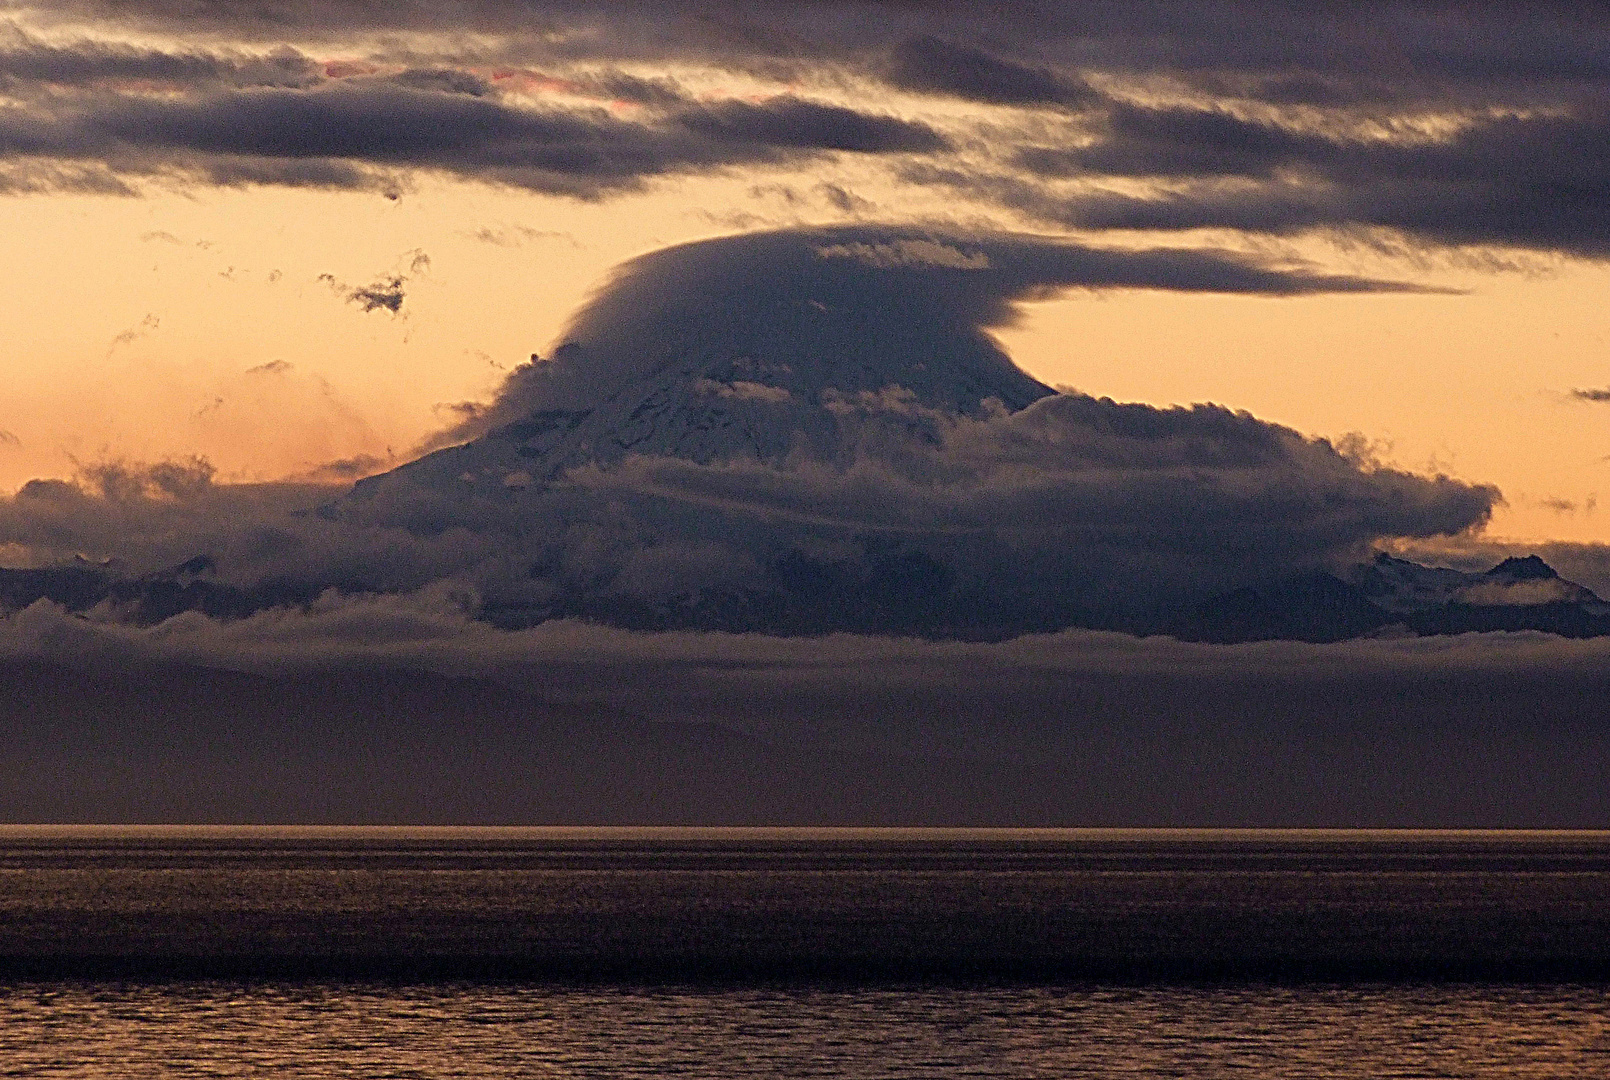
(430, 631)
(402, 710)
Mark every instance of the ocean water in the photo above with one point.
(802, 953)
(332, 1029)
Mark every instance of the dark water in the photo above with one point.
(473, 1030)
(787, 953)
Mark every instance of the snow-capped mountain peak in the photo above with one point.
(1403, 587)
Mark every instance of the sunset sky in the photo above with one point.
(196, 193)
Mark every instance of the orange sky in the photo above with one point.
(133, 327)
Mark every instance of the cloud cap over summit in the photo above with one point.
(857, 309)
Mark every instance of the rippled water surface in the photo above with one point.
(797, 953)
(348, 1030)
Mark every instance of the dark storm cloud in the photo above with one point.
(1459, 37)
(445, 80)
(795, 124)
(1450, 124)
(1075, 510)
(619, 86)
(1175, 142)
(1074, 503)
(94, 63)
(928, 64)
(1535, 182)
(1327, 53)
(337, 135)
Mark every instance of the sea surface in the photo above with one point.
(369, 952)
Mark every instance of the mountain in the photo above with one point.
(911, 593)
(143, 599)
(541, 503)
(562, 548)
(816, 431)
(760, 400)
(1406, 588)
(1391, 595)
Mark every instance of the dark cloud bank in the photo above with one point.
(391, 709)
(358, 134)
(1468, 125)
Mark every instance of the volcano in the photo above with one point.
(809, 431)
(758, 361)
(815, 431)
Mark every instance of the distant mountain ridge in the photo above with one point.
(1391, 595)
(143, 599)
(1387, 596)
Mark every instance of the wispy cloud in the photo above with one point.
(386, 292)
(146, 326)
(272, 367)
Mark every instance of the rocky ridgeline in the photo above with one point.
(1385, 597)
(1396, 596)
